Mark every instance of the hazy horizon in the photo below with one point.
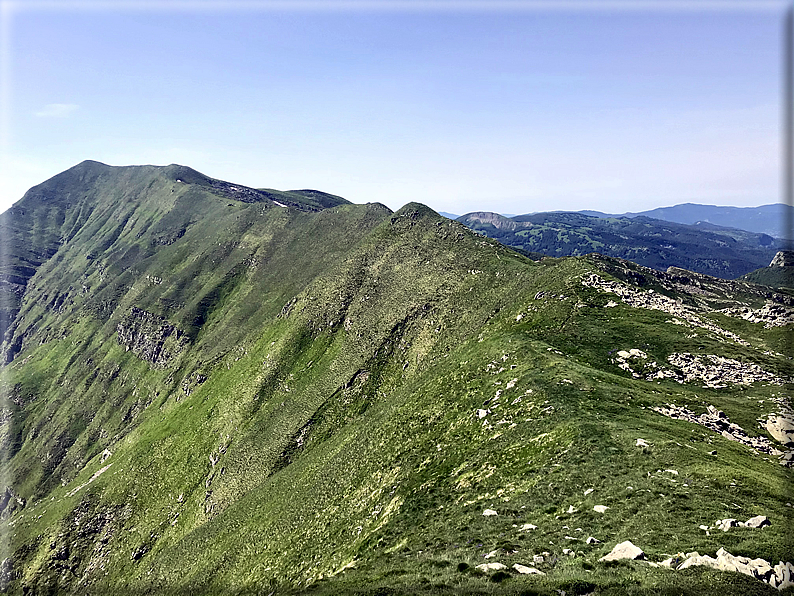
(606, 106)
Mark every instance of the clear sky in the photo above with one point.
(461, 106)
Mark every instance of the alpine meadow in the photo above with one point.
(211, 389)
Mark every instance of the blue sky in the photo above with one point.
(462, 108)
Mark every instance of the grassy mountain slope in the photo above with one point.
(720, 252)
(327, 401)
(779, 273)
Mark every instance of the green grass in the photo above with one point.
(335, 446)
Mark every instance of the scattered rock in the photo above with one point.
(624, 550)
(591, 540)
(485, 567)
(726, 524)
(771, 314)
(759, 521)
(489, 513)
(491, 554)
(527, 527)
(527, 570)
(698, 560)
(779, 576)
(642, 443)
(637, 298)
(600, 508)
(716, 420)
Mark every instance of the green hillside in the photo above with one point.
(778, 274)
(709, 249)
(210, 393)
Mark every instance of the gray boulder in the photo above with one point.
(624, 550)
(759, 521)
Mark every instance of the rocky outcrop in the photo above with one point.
(781, 427)
(524, 570)
(771, 314)
(780, 576)
(715, 372)
(718, 372)
(150, 337)
(500, 222)
(717, 421)
(783, 258)
(652, 300)
(10, 501)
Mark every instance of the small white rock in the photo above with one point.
(624, 550)
(527, 570)
(527, 527)
(491, 567)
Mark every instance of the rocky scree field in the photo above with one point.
(210, 389)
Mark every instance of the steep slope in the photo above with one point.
(328, 402)
(721, 252)
(779, 273)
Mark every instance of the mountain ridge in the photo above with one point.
(230, 397)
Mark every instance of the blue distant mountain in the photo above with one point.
(774, 219)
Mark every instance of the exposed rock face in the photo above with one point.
(498, 221)
(782, 428)
(150, 337)
(10, 502)
(783, 258)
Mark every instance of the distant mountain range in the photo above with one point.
(774, 219)
(706, 248)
